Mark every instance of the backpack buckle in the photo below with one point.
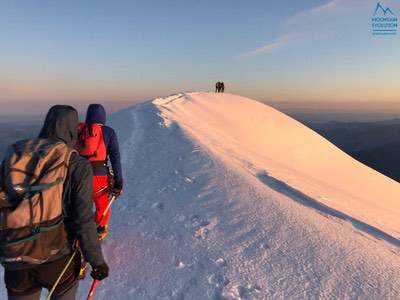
(35, 230)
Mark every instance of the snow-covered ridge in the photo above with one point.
(283, 153)
(168, 99)
(226, 198)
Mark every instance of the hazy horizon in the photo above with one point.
(13, 108)
(309, 111)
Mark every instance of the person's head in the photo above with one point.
(61, 124)
(96, 114)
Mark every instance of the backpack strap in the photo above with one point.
(35, 232)
(44, 186)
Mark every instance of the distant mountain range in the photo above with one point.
(376, 144)
(13, 131)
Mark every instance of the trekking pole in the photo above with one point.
(107, 208)
(96, 282)
(62, 274)
(92, 290)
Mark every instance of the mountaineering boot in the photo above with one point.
(102, 232)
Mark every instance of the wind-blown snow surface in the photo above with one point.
(275, 148)
(226, 198)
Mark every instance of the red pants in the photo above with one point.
(100, 198)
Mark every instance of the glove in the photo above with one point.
(100, 272)
(117, 190)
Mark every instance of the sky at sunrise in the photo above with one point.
(122, 52)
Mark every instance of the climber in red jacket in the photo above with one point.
(99, 144)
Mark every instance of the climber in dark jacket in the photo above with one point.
(222, 87)
(26, 284)
(106, 149)
(217, 87)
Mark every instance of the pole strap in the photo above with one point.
(62, 274)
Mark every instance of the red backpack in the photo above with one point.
(90, 142)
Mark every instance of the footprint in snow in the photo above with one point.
(188, 179)
(180, 265)
(198, 222)
(195, 219)
(200, 226)
(158, 206)
(202, 233)
(137, 292)
(218, 280)
(179, 218)
(220, 262)
(204, 223)
(250, 291)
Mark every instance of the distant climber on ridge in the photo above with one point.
(217, 87)
(99, 144)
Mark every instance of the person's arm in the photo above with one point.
(115, 159)
(82, 212)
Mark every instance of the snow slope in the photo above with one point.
(276, 148)
(227, 198)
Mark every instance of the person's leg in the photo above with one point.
(67, 295)
(101, 202)
(34, 296)
(22, 284)
(49, 273)
(101, 199)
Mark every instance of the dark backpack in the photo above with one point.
(32, 178)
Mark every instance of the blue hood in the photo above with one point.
(96, 114)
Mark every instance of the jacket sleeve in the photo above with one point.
(81, 206)
(115, 159)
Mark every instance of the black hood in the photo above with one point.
(61, 124)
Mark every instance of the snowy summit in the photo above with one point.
(227, 198)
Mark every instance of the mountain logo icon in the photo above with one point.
(379, 7)
(384, 21)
